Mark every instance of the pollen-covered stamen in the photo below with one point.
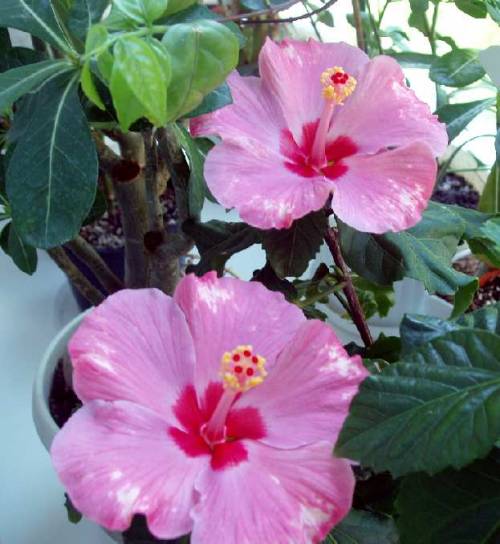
(241, 369)
(337, 86)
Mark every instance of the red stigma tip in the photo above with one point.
(255, 359)
(238, 369)
(236, 357)
(247, 353)
(249, 371)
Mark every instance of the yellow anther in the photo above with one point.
(242, 369)
(337, 84)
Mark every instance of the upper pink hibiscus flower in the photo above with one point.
(213, 412)
(323, 119)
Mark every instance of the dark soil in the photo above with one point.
(107, 232)
(469, 265)
(63, 401)
(454, 189)
(489, 291)
(488, 294)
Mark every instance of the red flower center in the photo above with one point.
(299, 158)
(193, 415)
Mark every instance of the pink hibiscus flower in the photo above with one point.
(213, 412)
(323, 120)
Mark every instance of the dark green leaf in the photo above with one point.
(326, 17)
(387, 348)
(73, 515)
(196, 150)
(452, 507)
(19, 81)
(474, 8)
(457, 68)
(493, 7)
(203, 54)
(19, 56)
(215, 100)
(52, 176)
(487, 319)
(423, 252)
(412, 59)
(361, 527)
(37, 17)
(217, 241)
(84, 14)
(438, 408)
(5, 44)
(290, 250)
(23, 255)
(418, 20)
(375, 299)
(458, 116)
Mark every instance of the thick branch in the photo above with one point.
(356, 311)
(86, 289)
(89, 256)
(155, 212)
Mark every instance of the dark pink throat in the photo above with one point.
(299, 158)
(192, 415)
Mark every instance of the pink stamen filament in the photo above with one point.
(319, 145)
(214, 431)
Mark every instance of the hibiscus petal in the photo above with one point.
(391, 188)
(257, 183)
(291, 72)
(253, 119)
(306, 396)
(117, 459)
(224, 313)
(286, 496)
(135, 346)
(383, 112)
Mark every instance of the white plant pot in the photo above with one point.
(411, 298)
(44, 423)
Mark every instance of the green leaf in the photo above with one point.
(19, 81)
(141, 11)
(423, 253)
(493, 7)
(52, 175)
(457, 68)
(217, 241)
(37, 17)
(83, 14)
(89, 88)
(412, 59)
(203, 54)
(23, 255)
(490, 197)
(458, 116)
(474, 8)
(141, 71)
(438, 408)
(375, 299)
(361, 527)
(19, 56)
(451, 508)
(196, 151)
(290, 250)
(215, 100)
(326, 17)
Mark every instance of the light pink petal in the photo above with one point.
(383, 112)
(253, 119)
(291, 72)
(278, 496)
(387, 191)
(117, 459)
(257, 183)
(306, 396)
(135, 346)
(224, 313)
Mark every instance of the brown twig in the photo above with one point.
(248, 18)
(356, 311)
(358, 23)
(87, 290)
(89, 256)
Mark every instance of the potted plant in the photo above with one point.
(194, 406)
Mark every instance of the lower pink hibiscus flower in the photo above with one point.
(323, 119)
(213, 412)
